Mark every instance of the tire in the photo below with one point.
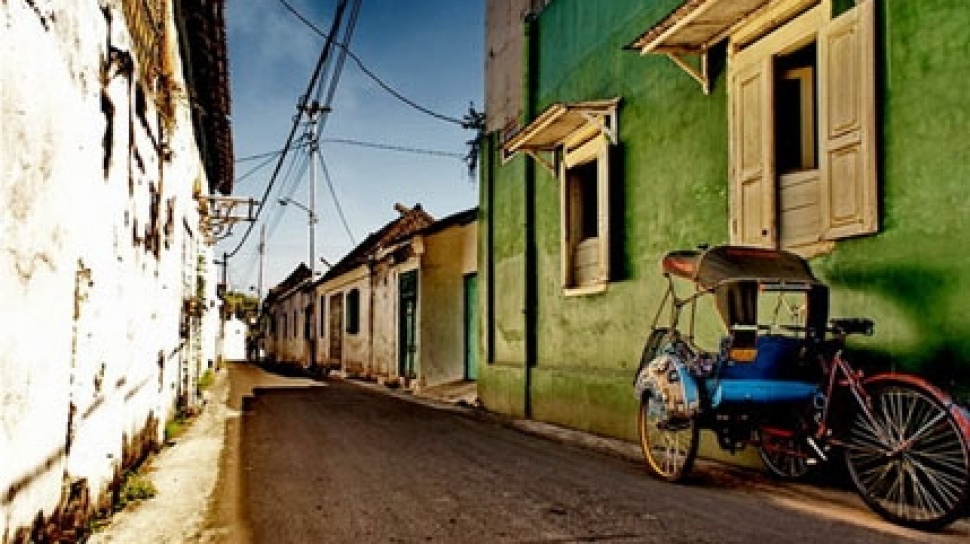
(669, 447)
(910, 461)
(784, 457)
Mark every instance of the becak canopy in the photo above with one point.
(737, 274)
(737, 263)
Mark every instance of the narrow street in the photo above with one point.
(339, 462)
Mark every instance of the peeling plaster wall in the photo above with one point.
(99, 246)
(290, 344)
(355, 348)
(385, 323)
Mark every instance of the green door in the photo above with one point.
(407, 322)
(471, 327)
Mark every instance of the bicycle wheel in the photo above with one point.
(784, 455)
(669, 446)
(909, 460)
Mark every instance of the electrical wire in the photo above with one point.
(360, 64)
(259, 156)
(390, 147)
(336, 201)
(324, 55)
(256, 168)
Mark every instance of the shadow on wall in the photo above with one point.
(923, 296)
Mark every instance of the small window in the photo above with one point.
(585, 237)
(796, 136)
(803, 133)
(282, 327)
(322, 311)
(296, 327)
(353, 311)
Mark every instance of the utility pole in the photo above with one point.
(262, 261)
(313, 111)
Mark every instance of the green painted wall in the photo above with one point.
(912, 278)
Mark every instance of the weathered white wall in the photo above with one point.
(290, 343)
(355, 348)
(385, 322)
(234, 341)
(91, 356)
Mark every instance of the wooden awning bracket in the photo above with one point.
(701, 75)
(562, 123)
(605, 122)
(547, 163)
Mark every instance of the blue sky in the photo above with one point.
(430, 51)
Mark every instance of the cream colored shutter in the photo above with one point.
(847, 133)
(752, 191)
(603, 212)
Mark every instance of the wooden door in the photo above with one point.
(407, 323)
(336, 327)
(471, 326)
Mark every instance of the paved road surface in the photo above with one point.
(344, 463)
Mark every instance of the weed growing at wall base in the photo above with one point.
(135, 487)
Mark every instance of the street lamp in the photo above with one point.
(311, 222)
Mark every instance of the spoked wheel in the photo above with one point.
(784, 454)
(909, 460)
(669, 446)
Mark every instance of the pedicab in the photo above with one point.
(779, 380)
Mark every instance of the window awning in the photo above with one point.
(554, 126)
(695, 26)
(692, 29)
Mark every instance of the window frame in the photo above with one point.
(581, 149)
(352, 311)
(846, 179)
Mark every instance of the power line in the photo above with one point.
(259, 156)
(390, 147)
(258, 167)
(301, 107)
(373, 76)
(336, 201)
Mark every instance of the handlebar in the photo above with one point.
(853, 325)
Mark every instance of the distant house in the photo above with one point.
(284, 314)
(835, 129)
(235, 332)
(397, 308)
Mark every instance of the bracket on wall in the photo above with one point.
(700, 74)
(224, 212)
(547, 163)
(543, 138)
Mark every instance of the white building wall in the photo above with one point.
(290, 344)
(355, 348)
(91, 357)
(234, 342)
(385, 320)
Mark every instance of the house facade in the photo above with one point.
(395, 309)
(114, 131)
(284, 317)
(629, 128)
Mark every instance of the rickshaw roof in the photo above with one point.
(711, 267)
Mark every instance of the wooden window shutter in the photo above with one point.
(752, 190)
(603, 203)
(847, 133)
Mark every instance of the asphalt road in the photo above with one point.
(341, 463)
